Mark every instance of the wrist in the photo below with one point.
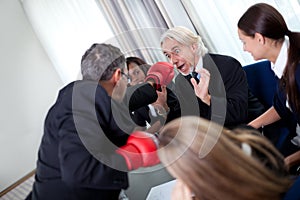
(153, 84)
(255, 124)
(166, 107)
(163, 111)
(206, 99)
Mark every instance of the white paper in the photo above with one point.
(161, 192)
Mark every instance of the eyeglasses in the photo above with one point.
(128, 77)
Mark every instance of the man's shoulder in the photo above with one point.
(83, 89)
(221, 57)
(223, 62)
(179, 77)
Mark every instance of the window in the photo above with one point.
(220, 29)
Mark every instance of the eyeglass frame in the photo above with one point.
(127, 76)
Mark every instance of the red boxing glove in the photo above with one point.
(140, 150)
(161, 72)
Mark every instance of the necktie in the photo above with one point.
(192, 75)
(195, 76)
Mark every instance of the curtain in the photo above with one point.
(66, 28)
(220, 30)
(215, 21)
(137, 26)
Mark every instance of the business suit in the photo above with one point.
(141, 115)
(228, 89)
(77, 159)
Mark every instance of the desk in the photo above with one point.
(143, 179)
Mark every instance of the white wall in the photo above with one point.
(28, 85)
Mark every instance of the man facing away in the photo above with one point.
(87, 148)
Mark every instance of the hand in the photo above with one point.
(140, 150)
(161, 98)
(161, 73)
(201, 88)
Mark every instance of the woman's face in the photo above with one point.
(253, 45)
(136, 74)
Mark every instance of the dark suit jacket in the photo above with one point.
(228, 89)
(141, 115)
(82, 130)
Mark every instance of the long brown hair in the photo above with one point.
(227, 171)
(266, 20)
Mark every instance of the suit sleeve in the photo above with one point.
(236, 90)
(236, 87)
(140, 95)
(88, 139)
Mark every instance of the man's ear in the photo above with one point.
(116, 76)
(194, 47)
(260, 38)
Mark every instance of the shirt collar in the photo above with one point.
(280, 63)
(199, 64)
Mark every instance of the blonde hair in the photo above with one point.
(227, 171)
(185, 37)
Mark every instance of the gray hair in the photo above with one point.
(185, 37)
(100, 61)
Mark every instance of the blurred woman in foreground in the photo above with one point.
(211, 162)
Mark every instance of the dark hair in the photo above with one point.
(100, 61)
(140, 62)
(135, 60)
(266, 20)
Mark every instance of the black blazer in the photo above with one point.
(76, 158)
(228, 88)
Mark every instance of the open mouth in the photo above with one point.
(180, 67)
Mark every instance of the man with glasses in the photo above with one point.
(210, 85)
(87, 149)
(127, 77)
